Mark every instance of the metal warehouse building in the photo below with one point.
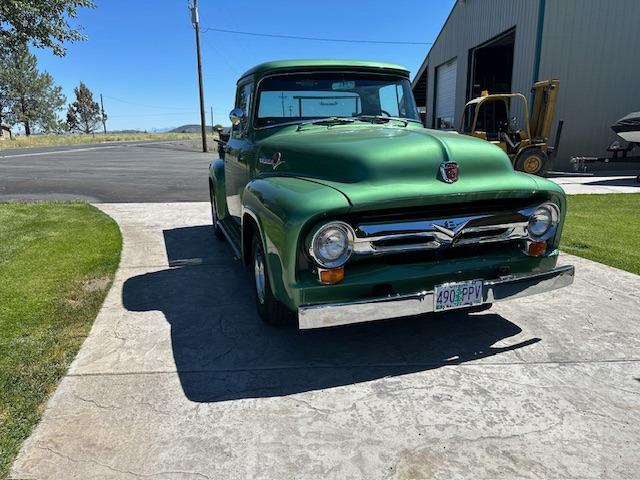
(591, 46)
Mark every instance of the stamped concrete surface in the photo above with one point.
(179, 379)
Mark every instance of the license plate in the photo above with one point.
(457, 295)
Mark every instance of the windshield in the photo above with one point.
(307, 96)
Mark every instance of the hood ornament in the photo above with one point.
(449, 172)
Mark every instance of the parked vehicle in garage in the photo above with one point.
(487, 117)
(347, 210)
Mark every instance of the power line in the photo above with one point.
(315, 39)
(154, 114)
(220, 54)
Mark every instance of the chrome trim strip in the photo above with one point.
(231, 243)
(497, 290)
(441, 233)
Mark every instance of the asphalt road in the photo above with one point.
(112, 172)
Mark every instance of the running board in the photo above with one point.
(232, 244)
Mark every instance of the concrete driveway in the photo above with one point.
(179, 379)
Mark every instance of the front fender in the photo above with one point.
(216, 176)
(284, 208)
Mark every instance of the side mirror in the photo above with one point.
(236, 116)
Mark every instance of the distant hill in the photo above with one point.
(194, 128)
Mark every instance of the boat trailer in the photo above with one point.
(617, 154)
(627, 128)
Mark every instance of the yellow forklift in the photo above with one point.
(487, 117)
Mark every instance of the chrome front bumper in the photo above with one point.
(503, 288)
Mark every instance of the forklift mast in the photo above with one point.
(544, 97)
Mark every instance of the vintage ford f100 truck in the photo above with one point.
(347, 210)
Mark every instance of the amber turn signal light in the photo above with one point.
(535, 249)
(330, 276)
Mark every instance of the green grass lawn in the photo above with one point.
(81, 139)
(57, 262)
(604, 228)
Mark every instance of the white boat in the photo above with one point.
(628, 127)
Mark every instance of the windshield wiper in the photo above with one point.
(380, 119)
(326, 121)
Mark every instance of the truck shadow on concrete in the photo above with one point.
(223, 351)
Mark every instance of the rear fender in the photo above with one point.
(216, 181)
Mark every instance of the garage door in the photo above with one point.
(446, 94)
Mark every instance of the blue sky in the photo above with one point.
(140, 54)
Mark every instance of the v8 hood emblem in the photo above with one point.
(275, 161)
(449, 171)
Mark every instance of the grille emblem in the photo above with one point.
(449, 171)
(449, 227)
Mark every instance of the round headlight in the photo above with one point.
(542, 220)
(331, 245)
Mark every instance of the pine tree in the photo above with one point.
(29, 96)
(6, 104)
(83, 115)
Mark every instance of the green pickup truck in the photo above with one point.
(347, 209)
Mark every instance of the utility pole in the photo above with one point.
(212, 125)
(196, 25)
(104, 122)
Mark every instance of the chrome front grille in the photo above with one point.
(375, 238)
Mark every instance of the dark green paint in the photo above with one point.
(330, 171)
(280, 66)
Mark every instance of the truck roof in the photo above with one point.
(282, 65)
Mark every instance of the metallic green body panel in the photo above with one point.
(282, 207)
(331, 171)
(216, 174)
(415, 277)
(387, 166)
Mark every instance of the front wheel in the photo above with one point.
(533, 161)
(269, 308)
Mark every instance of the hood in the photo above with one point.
(393, 166)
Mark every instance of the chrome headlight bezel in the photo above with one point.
(549, 210)
(314, 245)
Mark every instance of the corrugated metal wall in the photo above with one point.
(473, 22)
(593, 47)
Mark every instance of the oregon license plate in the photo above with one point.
(456, 295)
